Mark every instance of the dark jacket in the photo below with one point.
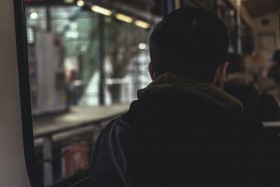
(274, 72)
(242, 87)
(184, 133)
(260, 98)
(269, 86)
(269, 100)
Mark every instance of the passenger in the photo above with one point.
(269, 91)
(274, 70)
(241, 85)
(184, 130)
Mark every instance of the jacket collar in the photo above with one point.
(169, 83)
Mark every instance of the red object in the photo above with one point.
(76, 158)
(57, 42)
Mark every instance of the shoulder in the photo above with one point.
(102, 169)
(100, 148)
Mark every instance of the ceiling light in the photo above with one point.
(80, 3)
(142, 24)
(124, 18)
(68, 1)
(101, 10)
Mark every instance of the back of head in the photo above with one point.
(191, 42)
(276, 56)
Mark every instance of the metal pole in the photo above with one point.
(101, 60)
(48, 18)
(168, 6)
(47, 158)
(218, 8)
(239, 49)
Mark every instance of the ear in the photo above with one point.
(220, 75)
(152, 71)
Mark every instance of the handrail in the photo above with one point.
(271, 124)
(48, 141)
(81, 125)
(77, 179)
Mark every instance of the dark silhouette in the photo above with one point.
(274, 70)
(269, 92)
(258, 94)
(184, 130)
(241, 85)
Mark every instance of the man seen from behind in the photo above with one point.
(184, 130)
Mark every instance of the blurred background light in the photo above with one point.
(142, 24)
(101, 10)
(80, 3)
(124, 18)
(142, 46)
(68, 1)
(72, 34)
(33, 15)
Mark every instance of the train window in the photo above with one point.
(86, 61)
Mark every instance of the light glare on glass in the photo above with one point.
(142, 24)
(80, 3)
(101, 10)
(124, 18)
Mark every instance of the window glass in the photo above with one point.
(72, 99)
(87, 61)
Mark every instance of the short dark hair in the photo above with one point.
(276, 56)
(190, 42)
